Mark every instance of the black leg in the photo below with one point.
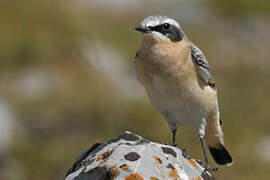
(207, 165)
(174, 133)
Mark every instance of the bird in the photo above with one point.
(179, 83)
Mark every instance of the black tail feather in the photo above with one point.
(221, 155)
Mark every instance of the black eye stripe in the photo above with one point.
(172, 32)
(166, 26)
(160, 28)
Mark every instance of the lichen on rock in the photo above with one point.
(131, 157)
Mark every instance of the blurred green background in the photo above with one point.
(67, 80)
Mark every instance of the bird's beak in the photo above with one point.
(142, 29)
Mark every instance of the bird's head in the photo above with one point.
(161, 28)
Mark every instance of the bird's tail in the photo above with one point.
(221, 155)
(214, 140)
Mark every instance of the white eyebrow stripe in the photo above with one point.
(152, 23)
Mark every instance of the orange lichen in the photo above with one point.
(193, 163)
(199, 178)
(159, 166)
(114, 167)
(101, 156)
(134, 176)
(115, 171)
(153, 178)
(125, 167)
(157, 160)
(174, 174)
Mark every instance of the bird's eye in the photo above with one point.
(166, 26)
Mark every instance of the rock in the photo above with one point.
(131, 157)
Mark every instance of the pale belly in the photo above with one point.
(181, 103)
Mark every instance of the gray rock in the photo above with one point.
(131, 157)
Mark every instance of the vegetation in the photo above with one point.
(64, 104)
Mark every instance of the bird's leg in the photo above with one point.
(207, 165)
(174, 133)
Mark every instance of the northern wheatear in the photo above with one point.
(178, 81)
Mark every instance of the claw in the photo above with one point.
(208, 167)
(199, 161)
(166, 143)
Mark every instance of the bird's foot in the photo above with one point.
(208, 167)
(199, 161)
(166, 143)
(174, 144)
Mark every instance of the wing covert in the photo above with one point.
(202, 65)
